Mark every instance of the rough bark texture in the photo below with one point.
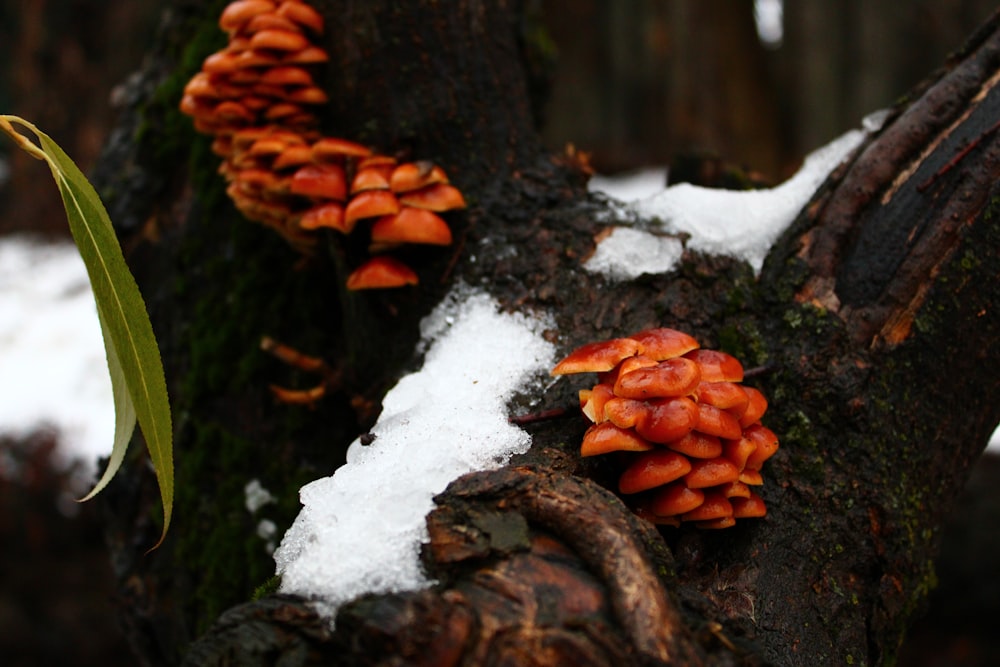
(874, 318)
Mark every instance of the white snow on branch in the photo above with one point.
(738, 223)
(360, 530)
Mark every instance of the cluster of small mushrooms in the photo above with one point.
(256, 98)
(687, 432)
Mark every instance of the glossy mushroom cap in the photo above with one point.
(686, 432)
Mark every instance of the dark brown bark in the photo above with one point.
(872, 316)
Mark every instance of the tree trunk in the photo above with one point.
(873, 318)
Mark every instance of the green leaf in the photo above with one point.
(137, 380)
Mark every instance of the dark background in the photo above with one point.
(642, 82)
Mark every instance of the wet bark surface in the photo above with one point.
(872, 323)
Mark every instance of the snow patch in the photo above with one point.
(360, 530)
(52, 365)
(739, 223)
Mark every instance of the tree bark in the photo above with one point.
(873, 317)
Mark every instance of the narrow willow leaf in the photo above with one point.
(137, 379)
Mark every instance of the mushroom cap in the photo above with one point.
(269, 22)
(330, 214)
(713, 421)
(381, 272)
(714, 524)
(675, 499)
(238, 13)
(326, 181)
(756, 407)
(293, 156)
(717, 366)
(311, 55)
(286, 75)
(308, 95)
(371, 204)
(627, 365)
(751, 477)
(673, 377)
(302, 14)
(624, 412)
(369, 178)
(667, 419)
(752, 506)
(596, 357)
(279, 40)
(438, 197)
(651, 469)
(415, 175)
(707, 473)
(697, 445)
(716, 506)
(411, 225)
(765, 445)
(606, 437)
(727, 396)
(332, 148)
(738, 450)
(663, 343)
(736, 489)
(593, 405)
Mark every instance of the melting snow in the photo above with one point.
(360, 530)
(52, 367)
(739, 223)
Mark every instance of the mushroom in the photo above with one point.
(673, 377)
(415, 175)
(329, 215)
(668, 406)
(380, 273)
(664, 343)
(438, 197)
(595, 357)
(370, 204)
(606, 437)
(256, 98)
(711, 472)
(410, 225)
(652, 469)
(676, 499)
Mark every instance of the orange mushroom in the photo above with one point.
(665, 405)
(606, 437)
(667, 419)
(673, 377)
(675, 499)
(711, 472)
(256, 98)
(663, 343)
(652, 469)
(330, 215)
(326, 181)
(371, 204)
(381, 273)
(415, 175)
(438, 197)
(595, 357)
(717, 366)
(410, 225)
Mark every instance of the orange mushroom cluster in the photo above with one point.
(257, 98)
(689, 433)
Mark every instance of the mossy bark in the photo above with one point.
(874, 319)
